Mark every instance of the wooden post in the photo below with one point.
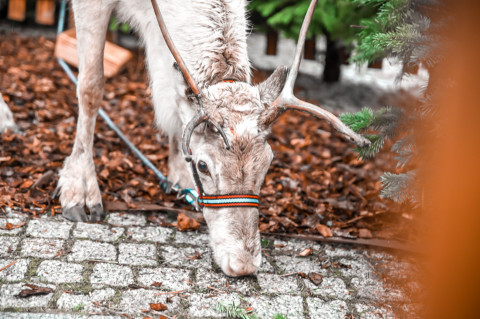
(17, 10)
(310, 49)
(45, 12)
(377, 64)
(272, 40)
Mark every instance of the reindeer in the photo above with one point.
(217, 122)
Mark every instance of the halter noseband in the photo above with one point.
(227, 200)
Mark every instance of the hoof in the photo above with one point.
(97, 214)
(75, 214)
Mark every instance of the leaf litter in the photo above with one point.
(315, 185)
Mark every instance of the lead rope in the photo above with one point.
(189, 195)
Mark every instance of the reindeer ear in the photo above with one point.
(271, 87)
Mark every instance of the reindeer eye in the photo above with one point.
(203, 168)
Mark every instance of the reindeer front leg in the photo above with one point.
(78, 180)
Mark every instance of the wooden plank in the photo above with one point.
(45, 12)
(115, 57)
(17, 10)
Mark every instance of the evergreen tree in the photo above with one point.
(331, 18)
(400, 29)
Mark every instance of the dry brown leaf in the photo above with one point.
(158, 306)
(185, 223)
(364, 233)
(9, 226)
(315, 278)
(306, 252)
(324, 230)
(156, 284)
(195, 256)
(34, 291)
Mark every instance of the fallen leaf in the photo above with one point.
(185, 223)
(34, 291)
(196, 255)
(162, 317)
(316, 278)
(306, 252)
(9, 226)
(324, 230)
(302, 274)
(364, 233)
(249, 309)
(158, 306)
(156, 284)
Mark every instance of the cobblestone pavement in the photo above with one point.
(116, 269)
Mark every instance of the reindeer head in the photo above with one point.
(226, 146)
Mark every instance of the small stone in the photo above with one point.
(48, 229)
(364, 233)
(155, 234)
(15, 272)
(171, 278)
(42, 248)
(97, 232)
(90, 250)
(8, 245)
(336, 309)
(60, 272)
(113, 275)
(125, 219)
(137, 254)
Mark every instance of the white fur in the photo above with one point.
(6, 116)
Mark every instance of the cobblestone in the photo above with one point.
(48, 229)
(90, 250)
(15, 272)
(42, 248)
(9, 299)
(331, 288)
(85, 303)
(13, 219)
(170, 278)
(125, 219)
(60, 272)
(275, 284)
(155, 234)
(336, 309)
(98, 270)
(290, 307)
(137, 254)
(174, 256)
(136, 300)
(113, 275)
(8, 245)
(97, 232)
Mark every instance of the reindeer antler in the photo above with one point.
(287, 101)
(201, 116)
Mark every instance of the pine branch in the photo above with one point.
(233, 311)
(399, 187)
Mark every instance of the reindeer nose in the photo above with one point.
(237, 267)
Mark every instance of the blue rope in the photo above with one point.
(190, 195)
